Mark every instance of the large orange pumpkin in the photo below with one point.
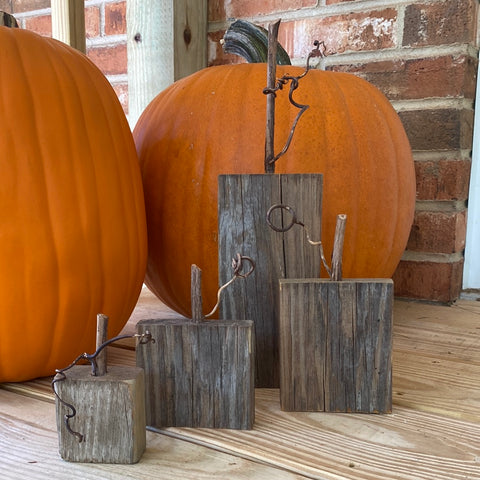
(72, 218)
(213, 122)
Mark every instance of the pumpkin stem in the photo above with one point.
(250, 42)
(8, 20)
(237, 265)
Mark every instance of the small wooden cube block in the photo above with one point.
(110, 413)
(199, 374)
(336, 345)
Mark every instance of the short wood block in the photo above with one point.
(243, 203)
(110, 414)
(336, 345)
(199, 374)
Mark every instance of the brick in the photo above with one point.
(439, 282)
(6, 6)
(216, 55)
(41, 25)
(442, 129)
(115, 18)
(250, 8)
(438, 232)
(121, 89)
(216, 10)
(110, 60)
(446, 76)
(442, 179)
(21, 6)
(92, 22)
(440, 23)
(333, 2)
(363, 31)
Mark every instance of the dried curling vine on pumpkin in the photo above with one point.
(281, 82)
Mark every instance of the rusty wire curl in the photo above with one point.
(237, 266)
(295, 221)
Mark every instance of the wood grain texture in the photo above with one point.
(102, 329)
(336, 345)
(337, 252)
(110, 414)
(406, 445)
(432, 434)
(166, 41)
(68, 23)
(29, 450)
(196, 293)
(243, 203)
(199, 374)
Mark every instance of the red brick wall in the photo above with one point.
(422, 55)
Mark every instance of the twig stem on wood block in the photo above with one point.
(196, 293)
(271, 80)
(101, 360)
(338, 248)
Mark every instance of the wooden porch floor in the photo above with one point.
(433, 432)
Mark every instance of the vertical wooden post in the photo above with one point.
(243, 203)
(166, 41)
(68, 23)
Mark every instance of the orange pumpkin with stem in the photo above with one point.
(213, 122)
(72, 216)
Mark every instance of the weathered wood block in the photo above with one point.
(199, 374)
(243, 203)
(110, 414)
(336, 345)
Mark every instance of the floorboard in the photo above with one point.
(432, 434)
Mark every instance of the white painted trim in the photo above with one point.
(471, 271)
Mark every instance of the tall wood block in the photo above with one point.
(336, 345)
(110, 415)
(243, 203)
(199, 374)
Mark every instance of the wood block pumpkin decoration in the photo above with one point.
(212, 123)
(199, 373)
(336, 340)
(100, 409)
(336, 345)
(72, 215)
